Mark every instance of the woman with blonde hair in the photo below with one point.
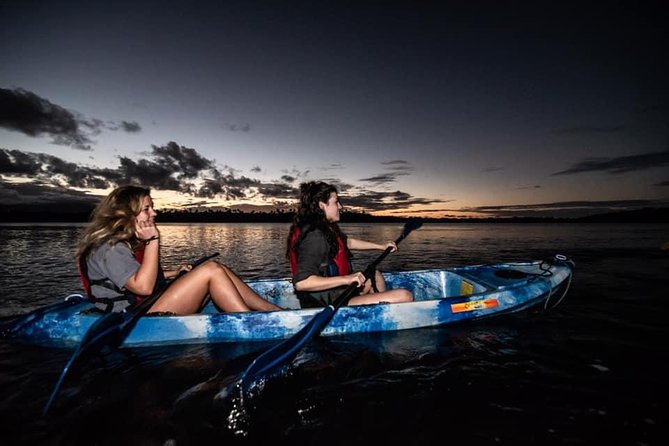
(119, 262)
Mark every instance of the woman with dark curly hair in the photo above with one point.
(119, 261)
(319, 254)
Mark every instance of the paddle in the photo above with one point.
(288, 349)
(112, 329)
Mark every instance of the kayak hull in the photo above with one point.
(442, 296)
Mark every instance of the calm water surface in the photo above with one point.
(592, 370)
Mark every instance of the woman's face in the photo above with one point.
(147, 213)
(331, 208)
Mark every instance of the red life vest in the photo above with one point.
(338, 266)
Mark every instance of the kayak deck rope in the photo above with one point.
(561, 297)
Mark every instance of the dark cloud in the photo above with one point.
(381, 201)
(536, 186)
(180, 160)
(53, 170)
(620, 164)
(32, 115)
(492, 169)
(131, 127)
(397, 164)
(564, 208)
(662, 183)
(25, 112)
(397, 168)
(336, 182)
(380, 179)
(182, 169)
(229, 186)
(41, 195)
(169, 167)
(279, 191)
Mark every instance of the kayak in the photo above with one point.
(441, 297)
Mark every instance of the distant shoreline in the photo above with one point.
(646, 215)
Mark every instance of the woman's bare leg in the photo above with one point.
(186, 294)
(391, 296)
(250, 297)
(380, 284)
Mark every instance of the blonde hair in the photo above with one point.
(113, 219)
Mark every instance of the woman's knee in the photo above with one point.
(213, 267)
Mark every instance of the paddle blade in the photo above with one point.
(285, 351)
(112, 329)
(104, 331)
(411, 225)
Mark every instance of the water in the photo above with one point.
(592, 370)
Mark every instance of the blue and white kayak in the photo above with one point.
(442, 296)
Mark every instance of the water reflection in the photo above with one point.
(38, 266)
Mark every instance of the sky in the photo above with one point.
(420, 108)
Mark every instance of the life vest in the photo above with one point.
(87, 283)
(338, 266)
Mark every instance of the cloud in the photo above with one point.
(397, 168)
(564, 208)
(173, 167)
(169, 167)
(662, 183)
(278, 191)
(620, 164)
(131, 127)
(53, 170)
(25, 112)
(45, 198)
(381, 201)
(179, 168)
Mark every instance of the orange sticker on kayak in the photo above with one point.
(474, 305)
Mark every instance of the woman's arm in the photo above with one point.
(319, 283)
(144, 279)
(357, 244)
(170, 273)
(312, 257)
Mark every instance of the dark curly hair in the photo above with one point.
(310, 216)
